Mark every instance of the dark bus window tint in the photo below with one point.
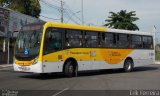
(53, 40)
(147, 42)
(114, 42)
(99, 39)
(108, 39)
(91, 39)
(73, 38)
(122, 40)
(136, 41)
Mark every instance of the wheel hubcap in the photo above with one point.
(128, 65)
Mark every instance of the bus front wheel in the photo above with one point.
(70, 70)
(128, 65)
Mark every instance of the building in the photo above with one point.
(10, 23)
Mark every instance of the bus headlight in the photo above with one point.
(35, 61)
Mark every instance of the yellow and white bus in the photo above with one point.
(54, 47)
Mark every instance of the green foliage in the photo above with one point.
(122, 20)
(28, 7)
(157, 56)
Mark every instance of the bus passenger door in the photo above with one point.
(52, 50)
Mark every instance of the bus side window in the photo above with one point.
(147, 42)
(114, 40)
(123, 41)
(107, 39)
(100, 39)
(91, 39)
(136, 42)
(73, 38)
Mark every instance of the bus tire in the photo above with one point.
(76, 71)
(69, 69)
(128, 65)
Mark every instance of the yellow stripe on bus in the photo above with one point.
(24, 63)
(110, 56)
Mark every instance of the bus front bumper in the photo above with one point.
(36, 68)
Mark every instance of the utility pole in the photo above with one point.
(8, 50)
(154, 38)
(82, 13)
(62, 12)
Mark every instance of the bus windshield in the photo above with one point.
(28, 45)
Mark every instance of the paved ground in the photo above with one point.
(143, 78)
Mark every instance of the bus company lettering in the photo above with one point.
(78, 53)
(114, 54)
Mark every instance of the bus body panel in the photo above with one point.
(49, 67)
(140, 58)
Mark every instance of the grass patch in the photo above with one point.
(158, 56)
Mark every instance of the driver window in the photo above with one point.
(53, 40)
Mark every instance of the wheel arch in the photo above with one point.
(128, 67)
(70, 59)
(130, 58)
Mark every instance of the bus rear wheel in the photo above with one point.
(128, 65)
(70, 70)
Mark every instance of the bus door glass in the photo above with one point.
(53, 41)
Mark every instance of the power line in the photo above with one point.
(72, 16)
(82, 13)
(55, 1)
(49, 17)
(51, 5)
(73, 13)
(69, 17)
(62, 11)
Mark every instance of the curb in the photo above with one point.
(157, 62)
(5, 65)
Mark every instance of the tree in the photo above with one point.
(4, 3)
(122, 20)
(28, 7)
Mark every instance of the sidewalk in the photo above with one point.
(157, 62)
(5, 65)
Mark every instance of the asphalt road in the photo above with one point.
(143, 78)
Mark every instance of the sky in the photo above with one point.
(97, 11)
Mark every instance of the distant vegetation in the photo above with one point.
(158, 56)
(158, 52)
(122, 20)
(28, 7)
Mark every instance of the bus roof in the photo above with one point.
(94, 28)
(130, 32)
(74, 26)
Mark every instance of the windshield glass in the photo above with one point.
(28, 45)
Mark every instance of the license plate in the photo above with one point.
(24, 68)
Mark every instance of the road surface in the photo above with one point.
(143, 78)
